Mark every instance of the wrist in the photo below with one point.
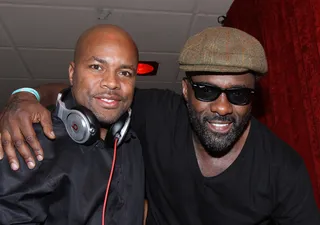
(23, 96)
(26, 92)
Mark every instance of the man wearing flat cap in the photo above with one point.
(208, 161)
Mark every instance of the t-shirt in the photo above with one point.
(68, 187)
(267, 184)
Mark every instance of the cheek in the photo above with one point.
(82, 90)
(128, 89)
(85, 82)
(242, 111)
(199, 107)
(80, 96)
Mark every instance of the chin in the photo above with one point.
(219, 150)
(107, 120)
(108, 117)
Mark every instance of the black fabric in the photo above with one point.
(267, 184)
(68, 187)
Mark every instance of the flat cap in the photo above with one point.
(223, 50)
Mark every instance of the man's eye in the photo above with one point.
(95, 67)
(205, 88)
(237, 93)
(126, 73)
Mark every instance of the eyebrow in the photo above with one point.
(131, 67)
(239, 86)
(122, 66)
(99, 60)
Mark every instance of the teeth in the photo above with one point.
(107, 100)
(220, 125)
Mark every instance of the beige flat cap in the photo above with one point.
(223, 49)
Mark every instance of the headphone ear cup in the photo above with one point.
(116, 130)
(82, 126)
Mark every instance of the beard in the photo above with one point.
(217, 144)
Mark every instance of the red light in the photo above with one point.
(144, 68)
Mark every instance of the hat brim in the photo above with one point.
(214, 69)
(218, 69)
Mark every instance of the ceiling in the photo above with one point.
(37, 36)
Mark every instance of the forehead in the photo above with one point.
(226, 81)
(109, 46)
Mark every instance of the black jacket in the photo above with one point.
(68, 187)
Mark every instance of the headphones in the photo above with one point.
(82, 125)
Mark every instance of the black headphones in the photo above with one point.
(82, 125)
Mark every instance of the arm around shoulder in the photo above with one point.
(21, 111)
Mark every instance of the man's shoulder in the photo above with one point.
(155, 108)
(156, 92)
(57, 125)
(156, 96)
(280, 153)
(131, 139)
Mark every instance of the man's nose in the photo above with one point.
(221, 105)
(110, 80)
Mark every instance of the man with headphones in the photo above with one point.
(93, 172)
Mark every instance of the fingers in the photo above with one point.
(29, 134)
(18, 140)
(10, 151)
(19, 144)
(46, 123)
(17, 132)
(24, 150)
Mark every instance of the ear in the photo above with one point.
(185, 89)
(71, 72)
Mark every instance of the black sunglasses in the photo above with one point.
(209, 93)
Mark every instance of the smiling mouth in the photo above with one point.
(107, 100)
(220, 127)
(108, 103)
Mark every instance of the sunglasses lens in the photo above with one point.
(241, 96)
(207, 93)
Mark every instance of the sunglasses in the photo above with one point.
(209, 93)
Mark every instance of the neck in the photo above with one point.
(213, 166)
(103, 133)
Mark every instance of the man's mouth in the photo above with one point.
(107, 100)
(220, 126)
(108, 103)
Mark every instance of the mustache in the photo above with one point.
(227, 118)
(216, 117)
(108, 92)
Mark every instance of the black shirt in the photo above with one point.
(267, 183)
(69, 186)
